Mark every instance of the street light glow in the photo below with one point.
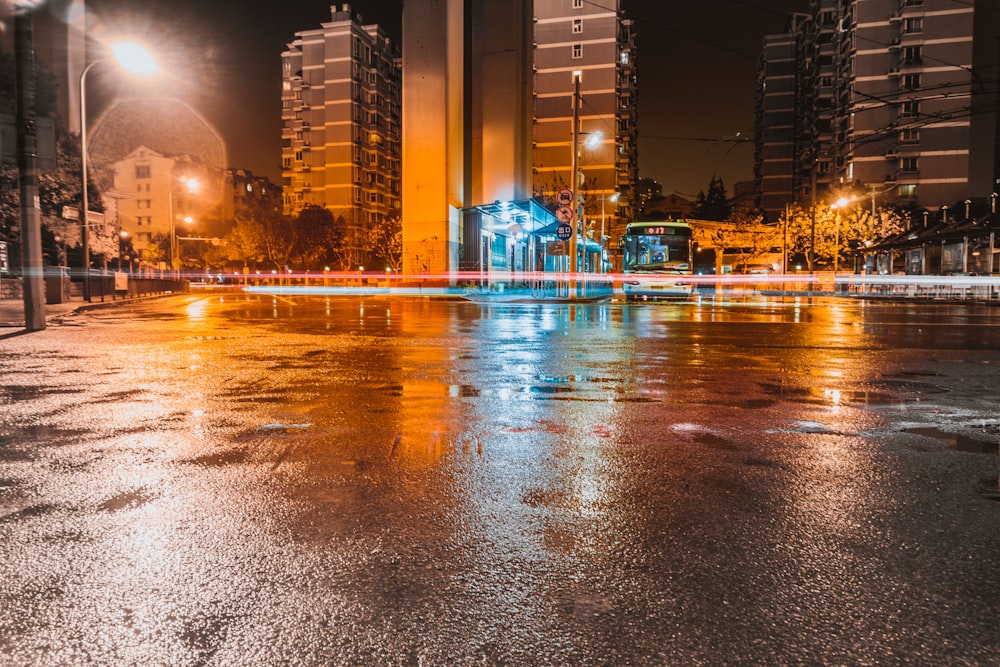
(134, 58)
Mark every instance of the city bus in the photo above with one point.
(655, 256)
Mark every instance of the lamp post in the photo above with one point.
(192, 186)
(836, 206)
(122, 235)
(133, 58)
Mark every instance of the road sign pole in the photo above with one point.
(575, 181)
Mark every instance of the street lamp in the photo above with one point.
(133, 58)
(122, 235)
(192, 186)
(836, 206)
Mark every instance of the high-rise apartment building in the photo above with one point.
(589, 43)
(896, 96)
(341, 123)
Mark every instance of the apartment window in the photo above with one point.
(298, 156)
(911, 81)
(577, 4)
(908, 164)
(913, 25)
(577, 26)
(908, 191)
(577, 51)
(909, 136)
(286, 162)
(144, 203)
(912, 3)
(911, 55)
(142, 171)
(911, 108)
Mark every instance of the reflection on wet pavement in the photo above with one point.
(254, 480)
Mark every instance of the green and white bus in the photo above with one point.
(655, 258)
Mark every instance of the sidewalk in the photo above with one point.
(12, 310)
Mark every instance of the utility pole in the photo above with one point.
(575, 183)
(32, 269)
(784, 243)
(812, 207)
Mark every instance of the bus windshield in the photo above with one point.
(657, 247)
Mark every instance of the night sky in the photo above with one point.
(696, 72)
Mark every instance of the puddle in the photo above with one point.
(957, 441)
(990, 488)
(875, 399)
(227, 458)
(716, 442)
(127, 500)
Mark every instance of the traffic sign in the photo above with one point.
(564, 214)
(565, 197)
(564, 231)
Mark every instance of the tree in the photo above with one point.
(244, 244)
(385, 240)
(55, 190)
(836, 232)
(277, 235)
(714, 205)
(321, 237)
(155, 252)
(749, 233)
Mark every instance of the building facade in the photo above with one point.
(898, 97)
(590, 45)
(466, 130)
(158, 197)
(342, 123)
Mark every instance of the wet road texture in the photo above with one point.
(281, 480)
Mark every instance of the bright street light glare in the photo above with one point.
(135, 58)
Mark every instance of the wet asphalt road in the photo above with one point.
(257, 480)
